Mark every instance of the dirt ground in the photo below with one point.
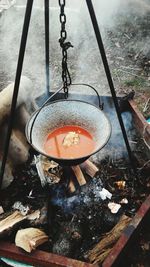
(125, 33)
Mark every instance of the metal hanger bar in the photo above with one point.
(16, 85)
(46, 6)
(108, 75)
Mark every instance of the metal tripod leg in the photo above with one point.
(17, 83)
(108, 75)
(46, 6)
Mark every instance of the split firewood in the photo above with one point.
(103, 248)
(9, 222)
(18, 147)
(30, 238)
(89, 167)
(1, 210)
(6, 96)
(71, 186)
(79, 175)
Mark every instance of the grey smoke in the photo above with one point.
(84, 60)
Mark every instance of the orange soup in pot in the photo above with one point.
(69, 142)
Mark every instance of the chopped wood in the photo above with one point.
(10, 221)
(1, 210)
(33, 216)
(103, 248)
(89, 167)
(79, 175)
(30, 238)
(71, 186)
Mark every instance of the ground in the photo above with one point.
(125, 33)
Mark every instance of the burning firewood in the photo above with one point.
(89, 167)
(120, 184)
(79, 175)
(30, 238)
(103, 248)
(9, 222)
(71, 186)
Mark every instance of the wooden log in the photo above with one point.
(71, 186)
(22, 117)
(1, 210)
(24, 96)
(9, 222)
(30, 238)
(79, 175)
(8, 175)
(18, 147)
(89, 167)
(103, 248)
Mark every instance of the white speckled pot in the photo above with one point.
(68, 112)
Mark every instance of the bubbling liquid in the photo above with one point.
(69, 142)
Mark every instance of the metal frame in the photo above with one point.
(19, 71)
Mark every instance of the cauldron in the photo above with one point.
(68, 112)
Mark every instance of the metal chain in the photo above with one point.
(64, 45)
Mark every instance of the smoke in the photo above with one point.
(116, 149)
(84, 59)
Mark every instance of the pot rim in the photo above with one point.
(66, 159)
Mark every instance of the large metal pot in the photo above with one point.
(68, 112)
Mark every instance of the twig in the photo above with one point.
(127, 67)
(129, 72)
(144, 165)
(146, 104)
(144, 138)
(133, 74)
(127, 36)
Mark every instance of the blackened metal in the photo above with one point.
(16, 85)
(101, 105)
(46, 6)
(64, 45)
(108, 75)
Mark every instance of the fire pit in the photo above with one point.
(77, 218)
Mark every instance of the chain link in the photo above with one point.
(64, 45)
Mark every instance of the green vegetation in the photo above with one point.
(136, 82)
